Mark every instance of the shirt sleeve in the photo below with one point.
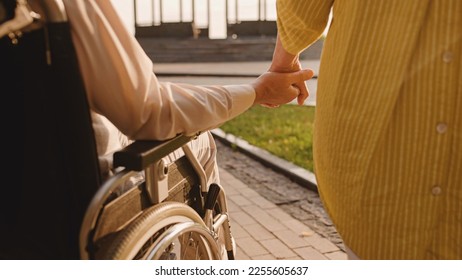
(301, 22)
(122, 86)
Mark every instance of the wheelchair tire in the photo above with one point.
(170, 230)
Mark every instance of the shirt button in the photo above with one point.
(447, 57)
(436, 190)
(441, 128)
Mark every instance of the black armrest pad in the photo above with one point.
(140, 154)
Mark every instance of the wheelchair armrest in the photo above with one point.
(142, 153)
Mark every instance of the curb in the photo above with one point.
(297, 174)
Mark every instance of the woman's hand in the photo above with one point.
(273, 89)
(286, 62)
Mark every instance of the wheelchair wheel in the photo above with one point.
(167, 231)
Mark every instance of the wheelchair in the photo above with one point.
(63, 209)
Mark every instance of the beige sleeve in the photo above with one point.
(121, 85)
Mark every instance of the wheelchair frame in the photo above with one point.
(206, 216)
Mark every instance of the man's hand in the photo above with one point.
(273, 89)
(286, 62)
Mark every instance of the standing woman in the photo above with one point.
(388, 124)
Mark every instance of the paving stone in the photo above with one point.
(242, 219)
(251, 247)
(310, 253)
(240, 255)
(278, 249)
(294, 258)
(291, 239)
(237, 231)
(338, 255)
(298, 227)
(235, 183)
(239, 200)
(323, 245)
(229, 190)
(248, 193)
(259, 232)
(264, 218)
(263, 202)
(232, 207)
(264, 257)
(279, 214)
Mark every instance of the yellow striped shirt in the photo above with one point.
(388, 125)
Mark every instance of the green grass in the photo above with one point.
(285, 132)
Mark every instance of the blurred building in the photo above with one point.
(180, 31)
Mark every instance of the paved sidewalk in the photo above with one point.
(263, 231)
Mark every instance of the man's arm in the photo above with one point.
(122, 86)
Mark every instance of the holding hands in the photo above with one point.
(284, 81)
(274, 88)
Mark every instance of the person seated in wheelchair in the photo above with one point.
(131, 104)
